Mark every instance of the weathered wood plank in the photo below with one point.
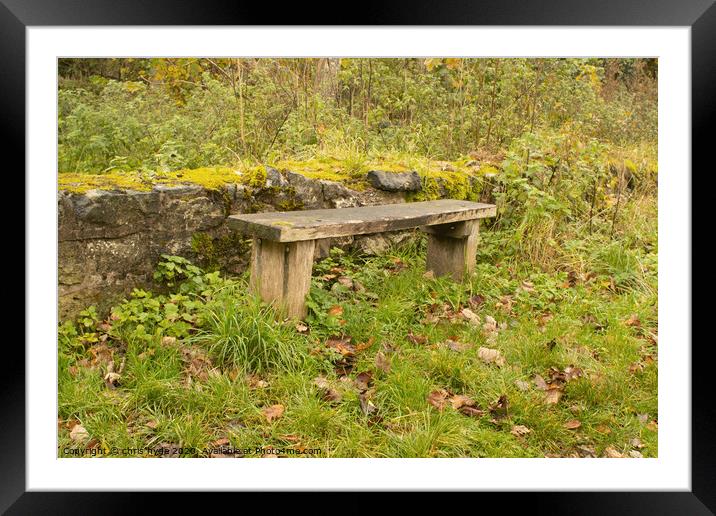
(314, 224)
(281, 274)
(453, 252)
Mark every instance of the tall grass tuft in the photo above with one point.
(243, 333)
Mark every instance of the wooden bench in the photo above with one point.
(284, 242)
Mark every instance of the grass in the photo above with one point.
(185, 389)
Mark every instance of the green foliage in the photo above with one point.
(168, 114)
(174, 269)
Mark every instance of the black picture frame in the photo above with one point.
(17, 15)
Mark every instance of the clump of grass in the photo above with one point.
(242, 332)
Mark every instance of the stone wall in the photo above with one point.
(110, 241)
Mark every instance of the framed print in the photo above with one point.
(417, 253)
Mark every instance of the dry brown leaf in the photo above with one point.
(223, 441)
(301, 327)
(381, 362)
(362, 346)
(520, 430)
(470, 316)
(417, 339)
(491, 356)
(603, 429)
(611, 453)
(635, 454)
(345, 281)
(79, 433)
(552, 396)
(111, 380)
(490, 325)
(363, 381)
(499, 409)
(460, 400)
(522, 385)
(342, 345)
(429, 275)
(335, 310)
(438, 398)
(540, 383)
(456, 346)
(633, 321)
(169, 341)
(366, 405)
(273, 412)
(572, 424)
(469, 410)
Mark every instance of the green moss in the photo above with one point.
(211, 178)
(326, 168)
(213, 252)
(440, 178)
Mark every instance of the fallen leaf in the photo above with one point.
(381, 362)
(345, 281)
(366, 405)
(429, 275)
(152, 424)
(500, 407)
(611, 453)
(520, 430)
(635, 454)
(255, 382)
(522, 385)
(552, 396)
(79, 433)
(417, 339)
(169, 341)
(362, 346)
(335, 310)
(469, 410)
(342, 345)
(603, 429)
(642, 418)
(301, 328)
(221, 442)
(490, 324)
(633, 321)
(273, 412)
(572, 373)
(540, 383)
(652, 425)
(111, 380)
(636, 443)
(460, 400)
(527, 286)
(363, 381)
(456, 346)
(470, 316)
(491, 356)
(475, 301)
(572, 424)
(438, 398)
(586, 451)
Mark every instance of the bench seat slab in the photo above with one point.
(293, 226)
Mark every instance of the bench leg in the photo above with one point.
(452, 248)
(281, 274)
